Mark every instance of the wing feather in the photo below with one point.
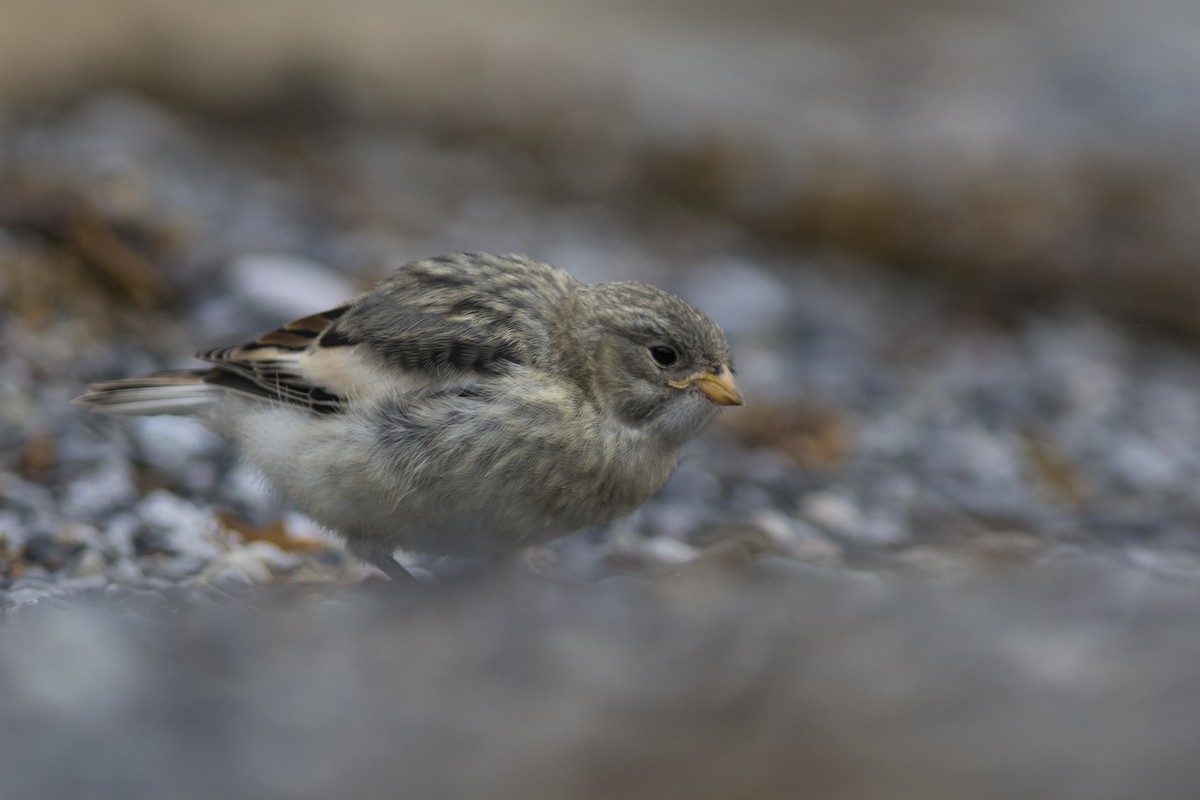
(273, 365)
(450, 321)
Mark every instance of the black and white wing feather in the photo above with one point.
(450, 321)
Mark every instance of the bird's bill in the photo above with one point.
(719, 385)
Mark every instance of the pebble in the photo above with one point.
(230, 578)
(797, 539)
(833, 512)
(255, 563)
(25, 499)
(177, 568)
(190, 531)
(1143, 465)
(173, 443)
(124, 570)
(119, 533)
(106, 488)
(49, 551)
(286, 284)
(666, 550)
(13, 531)
(90, 564)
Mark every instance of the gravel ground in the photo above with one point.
(946, 548)
(889, 426)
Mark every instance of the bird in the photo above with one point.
(468, 405)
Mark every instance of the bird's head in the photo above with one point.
(650, 358)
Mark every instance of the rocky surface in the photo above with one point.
(891, 427)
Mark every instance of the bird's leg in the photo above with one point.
(382, 558)
(395, 570)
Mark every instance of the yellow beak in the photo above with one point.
(718, 384)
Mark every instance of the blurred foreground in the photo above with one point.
(1074, 681)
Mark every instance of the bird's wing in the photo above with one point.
(434, 324)
(284, 366)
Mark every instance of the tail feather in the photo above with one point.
(175, 392)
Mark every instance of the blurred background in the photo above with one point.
(950, 547)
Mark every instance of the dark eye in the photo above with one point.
(664, 356)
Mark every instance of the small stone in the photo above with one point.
(257, 561)
(124, 570)
(666, 550)
(12, 532)
(778, 527)
(80, 534)
(230, 579)
(832, 512)
(120, 533)
(49, 551)
(90, 564)
(24, 496)
(812, 547)
(1142, 465)
(287, 285)
(176, 569)
(106, 488)
(186, 529)
(172, 443)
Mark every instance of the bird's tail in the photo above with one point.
(174, 392)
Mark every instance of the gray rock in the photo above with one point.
(287, 285)
(108, 487)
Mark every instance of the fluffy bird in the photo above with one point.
(468, 405)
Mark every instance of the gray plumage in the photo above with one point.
(468, 405)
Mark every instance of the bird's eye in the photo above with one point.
(663, 356)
